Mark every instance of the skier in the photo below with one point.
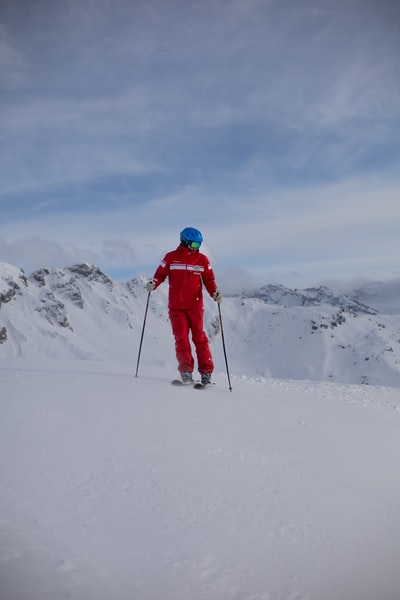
(187, 270)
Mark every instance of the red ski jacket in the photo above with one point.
(187, 270)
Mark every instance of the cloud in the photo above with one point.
(118, 251)
(236, 280)
(30, 253)
(272, 126)
(13, 66)
(132, 89)
(343, 227)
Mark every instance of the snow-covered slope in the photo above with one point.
(115, 486)
(120, 487)
(79, 312)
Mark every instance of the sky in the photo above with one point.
(273, 126)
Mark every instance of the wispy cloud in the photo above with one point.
(266, 123)
(287, 231)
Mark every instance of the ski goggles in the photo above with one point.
(194, 245)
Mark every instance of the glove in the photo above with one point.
(150, 285)
(217, 297)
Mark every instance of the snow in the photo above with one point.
(78, 312)
(123, 487)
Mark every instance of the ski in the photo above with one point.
(197, 385)
(202, 386)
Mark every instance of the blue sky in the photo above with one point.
(271, 125)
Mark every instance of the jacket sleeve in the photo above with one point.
(162, 271)
(209, 279)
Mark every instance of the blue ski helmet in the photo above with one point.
(191, 238)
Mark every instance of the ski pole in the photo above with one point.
(223, 345)
(141, 339)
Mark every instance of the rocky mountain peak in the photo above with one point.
(90, 272)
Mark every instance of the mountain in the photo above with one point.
(275, 332)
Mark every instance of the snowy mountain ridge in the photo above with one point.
(279, 294)
(275, 332)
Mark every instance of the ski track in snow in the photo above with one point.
(120, 487)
